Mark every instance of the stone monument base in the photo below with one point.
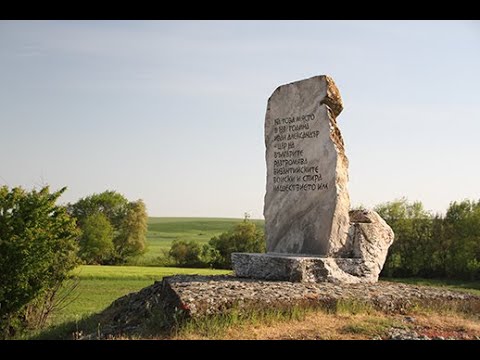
(302, 268)
(168, 303)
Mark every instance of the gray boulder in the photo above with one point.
(369, 239)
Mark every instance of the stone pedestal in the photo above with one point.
(302, 268)
(369, 238)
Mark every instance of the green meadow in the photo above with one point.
(99, 286)
(162, 231)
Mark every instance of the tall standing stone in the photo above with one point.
(306, 202)
(311, 236)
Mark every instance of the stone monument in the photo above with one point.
(311, 234)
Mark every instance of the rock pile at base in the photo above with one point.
(181, 296)
(369, 238)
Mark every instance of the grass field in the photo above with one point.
(163, 230)
(100, 285)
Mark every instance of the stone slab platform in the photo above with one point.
(301, 268)
(196, 296)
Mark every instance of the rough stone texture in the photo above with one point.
(297, 268)
(405, 334)
(196, 296)
(370, 238)
(368, 243)
(306, 211)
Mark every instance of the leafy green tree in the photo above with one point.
(411, 251)
(244, 237)
(433, 246)
(37, 251)
(110, 203)
(440, 248)
(96, 241)
(186, 253)
(128, 221)
(462, 228)
(133, 230)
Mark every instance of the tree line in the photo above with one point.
(433, 245)
(426, 244)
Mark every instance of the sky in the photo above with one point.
(172, 112)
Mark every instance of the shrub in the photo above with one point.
(38, 249)
(244, 237)
(186, 253)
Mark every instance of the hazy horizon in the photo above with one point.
(172, 112)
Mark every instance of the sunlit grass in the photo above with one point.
(99, 286)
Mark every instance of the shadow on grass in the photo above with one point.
(161, 325)
(70, 330)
